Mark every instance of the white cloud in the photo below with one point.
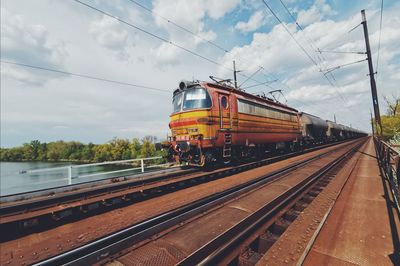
(108, 32)
(74, 108)
(30, 43)
(308, 89)
(315, 13)
(191, 15)
(255, 21)
(218, 8)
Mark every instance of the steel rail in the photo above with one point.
(99, 249)
(111, 197)
(216, 249)
(23, 206)
(42, 203)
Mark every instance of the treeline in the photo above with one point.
(391, 121)
(116, 149)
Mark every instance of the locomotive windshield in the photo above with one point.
(193, 98)
(177, 102)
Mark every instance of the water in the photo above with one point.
(13, 181)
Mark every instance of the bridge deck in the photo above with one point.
(360, 226)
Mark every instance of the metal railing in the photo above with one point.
(71, 172)
(389, 161)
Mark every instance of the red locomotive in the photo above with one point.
(216, 122)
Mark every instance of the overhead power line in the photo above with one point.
(344, 65)
(161, 38)
(355, 27)
(304, 50)
(148, 33)
(84, 76)
(340, 52)
(252, 75)
(291, 35)
(197, 36)
(310, 42)
(264, 83)
(179, 26)
(191, 32)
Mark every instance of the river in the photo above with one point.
(14, 179)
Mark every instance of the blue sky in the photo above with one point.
(69, 36)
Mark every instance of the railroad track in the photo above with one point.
(35, 215)
(140, 235)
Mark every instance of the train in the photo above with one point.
(213, 122)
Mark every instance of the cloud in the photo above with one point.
(305, 87)
(272, 50)
(31, 44)
(254, 22)
(73, 108)
(191, 15)
(316, 12)
(107, 32)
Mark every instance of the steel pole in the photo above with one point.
(371, 75)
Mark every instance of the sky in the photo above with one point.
(155, 44)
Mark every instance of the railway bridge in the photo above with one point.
(332, 204)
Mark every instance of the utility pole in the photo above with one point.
(372, 122)
(371, 75)
(234, 73)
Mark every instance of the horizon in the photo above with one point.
(133, 74)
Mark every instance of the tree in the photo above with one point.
(42, 153)
(35, 145)
(135, 148)
(120, 149)
(87, 152)
(392, 105)
(148, 149)
(102, 152)
(391, 121)
(27, 152)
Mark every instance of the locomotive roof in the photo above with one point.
(248, 95)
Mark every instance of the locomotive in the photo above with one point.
(214, 122)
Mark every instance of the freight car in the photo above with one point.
(313, 129)
(215, 122)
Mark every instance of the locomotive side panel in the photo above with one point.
(263, 124)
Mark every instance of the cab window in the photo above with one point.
(196, 98)
(177, 102)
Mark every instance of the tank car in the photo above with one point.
(216, 122)
(333, 131)
(313, 129)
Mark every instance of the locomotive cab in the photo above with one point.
(189, 125)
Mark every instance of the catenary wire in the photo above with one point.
(344, 65)
(83, 76)
(320, 57)
(190, 32)
(304, 50)
(161, 38)
(179, 26)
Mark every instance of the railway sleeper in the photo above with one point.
(300, 206)
(56, 216)
(265, 241)
(308, 199)
(27, 224)
(89, 207)
(291, 215)
(249, 258)
(280, 226)
(53, 219)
